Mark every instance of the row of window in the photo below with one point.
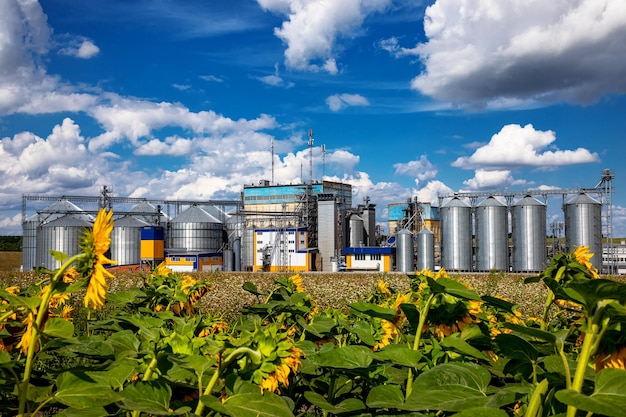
(364, 257)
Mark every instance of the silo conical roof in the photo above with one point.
(129, 221)
(456, 202)
(583, 198)
(528, 200)
(195, 214)
(491, 201)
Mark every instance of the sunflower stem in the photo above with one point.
(41, 314)
(418, 335)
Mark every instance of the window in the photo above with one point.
(375, 257)
(359, 257)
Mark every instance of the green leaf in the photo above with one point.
(123, 298)
(83, 412)
(450, 387)
(364, 331)
(515, 347)
(608, 399)
(454, 342)
(399, 355)
(499, 303)
(531, 331)
(59, 327)
(385, 396)
(256, 405)
(481, 412)
(374, 310)
(348, 357)
(251, 288)
(452, 287)
(412, 314)
(58, 256)
(320, 326)
(348, 405)
(115, 377)
(79, 390)
(151, 397)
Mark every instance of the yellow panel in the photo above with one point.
(152, 249)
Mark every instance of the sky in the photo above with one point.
(191, 100)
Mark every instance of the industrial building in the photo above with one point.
(315, 227)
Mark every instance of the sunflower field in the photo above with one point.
(432, 347)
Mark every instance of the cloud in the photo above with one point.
(492, 180)
(544, 52)
(84, 49)
(181, 87)
(516, 146)
(431, 191)
(313, 28)
(422, 169)
(337, 102)
(275, 80)
(211, 78)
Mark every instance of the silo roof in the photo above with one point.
(528, 201)
(68, 221)
(424, 232)
(491, 201)
(129, 221)
(63, 205)
(195, 214)
(456, 202)
(583, 198)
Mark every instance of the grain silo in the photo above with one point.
(327, 234)
(456, 235)
(63, 235)
(29, 242)
(355, 234)
(126, 240)
(425, 250)
(234, 233)
(492, 236)
(196, 230)
(404, 251)
(528, 217)
(583, 226)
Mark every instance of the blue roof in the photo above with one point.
(370, 250)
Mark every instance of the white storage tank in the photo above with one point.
(529, 235)
(63, 235)
(196, 230)
(357, 228)
(456, 235)
(425, 250)
(583, 226)
(126, 240)
(404, 251)
(492, 236)
(29, 242)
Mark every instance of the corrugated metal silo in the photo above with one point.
(228, 261)
(404, 251)
(492, 236)
(356, 231)
(425, 250)
(29, 242)
(247, 249)
(327, 239)
(528, 217)
(126, 240)
(63, 235)
(237, 254)
(583, 226)
(196, 230)
(456, 235)
(149, 214)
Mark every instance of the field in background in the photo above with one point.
(10, 261)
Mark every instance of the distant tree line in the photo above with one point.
(11, 243)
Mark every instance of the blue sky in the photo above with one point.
(183, 100)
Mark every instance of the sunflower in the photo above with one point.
(95, 243)
(615, 359)
(382, 287)
(28, 335)
(297, 281)
(583, 256)
(389, 332)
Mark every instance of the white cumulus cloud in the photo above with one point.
(516, 146)
(504, 54)
(492, 180)
(337, 102)
(313, 28)
(422, 169)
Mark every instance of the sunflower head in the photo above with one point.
(583, 256)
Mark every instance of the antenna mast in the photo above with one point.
(272, 161)
(311, 156)
(323, 161)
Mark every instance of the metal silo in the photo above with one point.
(126, 240)
(327, 236)
(529, 235)
(404, 251)
(456, 235)
(492, 236)
(149, 214)
(29, 242)
(425, 250)
(196, 230)
(356, 231)
(583, 226)
(247, 249)
(63, 235)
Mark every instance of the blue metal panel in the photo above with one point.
(370, 250)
